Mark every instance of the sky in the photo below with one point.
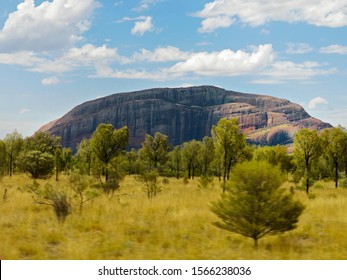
(57, 54)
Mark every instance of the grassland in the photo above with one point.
(177, 224)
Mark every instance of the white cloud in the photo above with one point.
(23, 58)
(143, 26)
(88, 56)
(256, 13)
(161, 54)
(50, 26)
(210, 24)
(281, 71)
(317, 101)
(336, 49)
(50, 81)
(226, 62)
(298, 48)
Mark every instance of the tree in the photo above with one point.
(307, 150)
(190, 152)
(255, 204)
(230, 145)
(334, 143)
(14, 144)
(206, 156)
(62, 160)
(3, 159)
(175, 157)
(107, 143)
(155, 149)
(85, 156)
(37, 163)
(43, 142)
(131, 162)
(150, 182)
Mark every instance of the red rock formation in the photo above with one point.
(184, 114)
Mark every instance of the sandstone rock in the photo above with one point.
(184, 114)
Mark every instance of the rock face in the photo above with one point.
(184, 114)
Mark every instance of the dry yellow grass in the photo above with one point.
(177, 224)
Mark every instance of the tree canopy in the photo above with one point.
(255, 205)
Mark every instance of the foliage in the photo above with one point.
(62, 160)
(175, 161)
(3, 159)
(307, 149)
(255, 204)
(54, 197)
(190, 152)
(206, 156)
(155, 150)
(116, 174)
(335, 143)
(132, 165)
(14, 144)
(205, 182)
(230, 144)
(38, 164)
(43, 142)
(84, 188)
(150, 182)
(107, 143)
(84, 156)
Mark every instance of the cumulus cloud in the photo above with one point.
(143, 26)
(256, 13)
(54, 24)
(226, 62)
(336, 49)
(50, 81)
(317, 101)
(210, 24)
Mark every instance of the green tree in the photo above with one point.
(85, 156)
(62, 160)
(14, 144)
(334, 143)
(107, 143)
(255, 204)
(37, 163)
(175, 160)
(206, 156)
(150, 182)
(3, 159)
(43, 142)
(132, 162)
(230, 145)
(190, 152)
(307, 149)
(155, 150)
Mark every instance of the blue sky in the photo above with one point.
(57, 54)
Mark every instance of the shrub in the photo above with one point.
(255, 205)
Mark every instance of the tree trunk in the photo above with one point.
(336, 174)
(255, 243)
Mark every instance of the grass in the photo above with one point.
(177, 224)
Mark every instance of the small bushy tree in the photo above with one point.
(37, 163)
(107, 143)
(255, 205)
